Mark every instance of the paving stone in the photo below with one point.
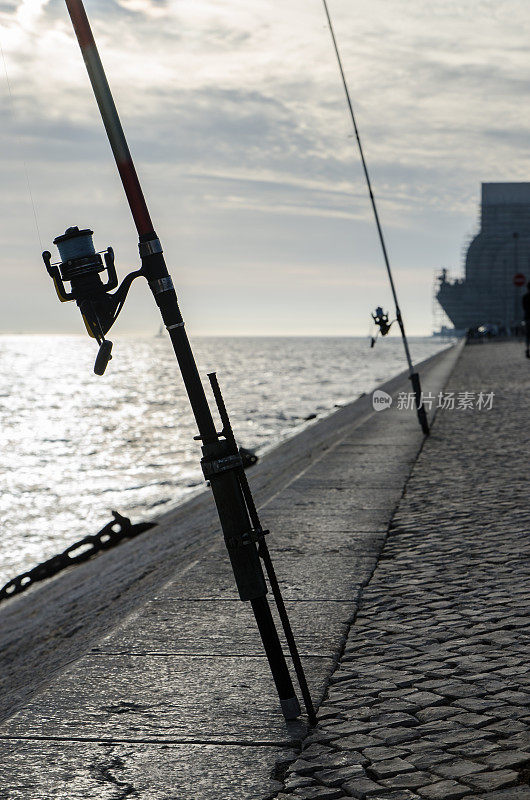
(460, 690)
(399, 794)
(488, 781)
(313, 750)
(517, 698)
(391, 767)
(444, 790)
(488, 687)
(383, 753)
(336, 777)
(299, 781)
(435, 713)
(456, 769)
(358, 742)
(347, 728)
(428, 758)
(475, 721)
(513, 712)
(506, 758)
(361, 788)
(318, 793)
(438, 683)
(439, 726)
(354, 709)
(424, 699)
(460, 737)
(336, 759)
(410, 780)
(355, 756)
(473, 749)
(513, 793)
(395, 719)
(394, 694)
(422, 745)
(508, 727)
(518, 742)
(395, 704)
(317, 736)
(331, 713)
(303, 767)
(393, 736)
(478, 704)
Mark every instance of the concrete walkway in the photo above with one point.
(431, 698)
(140, 674)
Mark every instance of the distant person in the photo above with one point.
(526, 309)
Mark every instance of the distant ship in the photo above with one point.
(497, 263)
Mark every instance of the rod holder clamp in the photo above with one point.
(254, 536)
(216, 466)
(199, 438)
(257, 535)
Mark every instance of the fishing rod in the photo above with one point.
(221, 461)
(413, 376)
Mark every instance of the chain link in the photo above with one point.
(112, 534)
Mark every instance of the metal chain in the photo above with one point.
(112, 534)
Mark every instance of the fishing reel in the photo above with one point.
(81, 266)
(381, 320)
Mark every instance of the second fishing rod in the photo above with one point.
(221, 461)
(413, 375)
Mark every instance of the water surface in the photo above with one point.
(74, 445)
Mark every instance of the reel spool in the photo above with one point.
(81, 266)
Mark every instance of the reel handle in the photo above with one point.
(103, 357)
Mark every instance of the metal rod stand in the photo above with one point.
(263, 551)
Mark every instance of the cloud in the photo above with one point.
(155, 9)
(236, 115)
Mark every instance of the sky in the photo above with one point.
(236, 119)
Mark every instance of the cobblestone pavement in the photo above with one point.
(430, 698)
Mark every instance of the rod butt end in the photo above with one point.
(291, 708)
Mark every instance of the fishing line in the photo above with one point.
(12, 104)
(414, 377)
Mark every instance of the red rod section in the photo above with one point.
(110, 117)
